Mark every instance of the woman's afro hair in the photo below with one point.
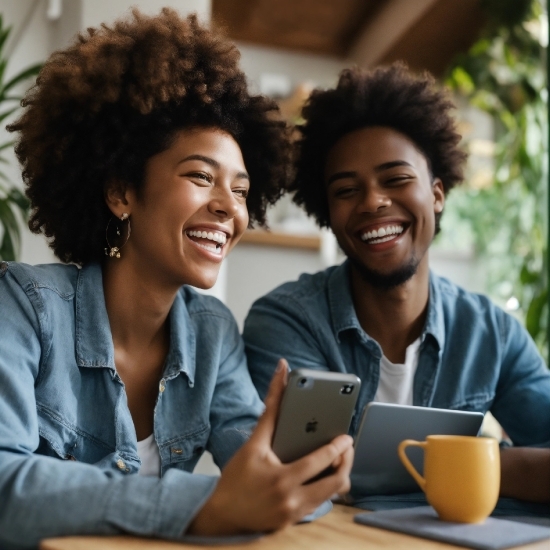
(103, 106)
(392, 97)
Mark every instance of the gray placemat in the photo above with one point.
(423, 522)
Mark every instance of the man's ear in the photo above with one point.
(116, 195)
(439, 195)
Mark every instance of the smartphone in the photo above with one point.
(316, 407)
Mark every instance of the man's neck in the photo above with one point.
(393, 317)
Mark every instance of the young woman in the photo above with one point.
(145, 158)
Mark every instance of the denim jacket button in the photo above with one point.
(162, 385)
(121, 465)
(177, 451)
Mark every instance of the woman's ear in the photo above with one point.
(116, 195)
(439, 195)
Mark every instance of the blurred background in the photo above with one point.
(491, 53)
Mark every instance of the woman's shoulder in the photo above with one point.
(61, 278)
(198, 303)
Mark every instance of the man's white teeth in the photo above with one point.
(219, 238)
(383, 234)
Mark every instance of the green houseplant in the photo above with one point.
(504, 75)
(13, 204)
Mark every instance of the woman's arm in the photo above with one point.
(43, 496)
(257, 492)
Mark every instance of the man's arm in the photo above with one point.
(525, 473)
(276, 328)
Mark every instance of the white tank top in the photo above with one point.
(397, 380)
(148, 452)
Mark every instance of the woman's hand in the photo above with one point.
(257, 492)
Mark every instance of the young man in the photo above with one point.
(378, 155)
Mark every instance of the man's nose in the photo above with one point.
(374, 198)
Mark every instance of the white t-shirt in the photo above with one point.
(149, 454)
(396, 380)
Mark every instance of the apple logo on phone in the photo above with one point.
(311, 426)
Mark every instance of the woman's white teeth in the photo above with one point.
(219, 238)
(383, 234)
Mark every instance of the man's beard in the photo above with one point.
(386, 281)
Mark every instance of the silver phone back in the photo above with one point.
(315, 409)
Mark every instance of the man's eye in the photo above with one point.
(344, 192)
(398, 180)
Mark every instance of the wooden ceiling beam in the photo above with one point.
(385, 28)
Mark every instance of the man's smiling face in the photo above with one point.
(382, 203)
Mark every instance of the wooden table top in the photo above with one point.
(335, 530)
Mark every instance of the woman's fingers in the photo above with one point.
(309, 466)
(263, 433)
(324, 488)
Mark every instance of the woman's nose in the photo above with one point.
(223, 204)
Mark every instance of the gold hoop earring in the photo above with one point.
(114, 234)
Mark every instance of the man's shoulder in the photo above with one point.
(308, 286)
(462, 302)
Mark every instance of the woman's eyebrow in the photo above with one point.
(213, 163)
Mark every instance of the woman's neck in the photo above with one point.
(137, 307)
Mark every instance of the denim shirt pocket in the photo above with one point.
(184, 451)
(60, 440)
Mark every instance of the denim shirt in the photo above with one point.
(473, 355)
(68, 453)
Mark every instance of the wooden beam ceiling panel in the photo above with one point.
(319, 26)
(445, 30)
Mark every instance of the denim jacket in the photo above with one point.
(473, 355)
(68, 455)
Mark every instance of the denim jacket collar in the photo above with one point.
(94, 342)
(341, 302)
(344, 316)
(435, 323)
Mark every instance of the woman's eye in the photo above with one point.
(241, 192)
(203, 176)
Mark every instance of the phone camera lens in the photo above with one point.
(302, 382)
(346, 389)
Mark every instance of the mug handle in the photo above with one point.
(407, 463)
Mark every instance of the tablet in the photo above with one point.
(377, 469)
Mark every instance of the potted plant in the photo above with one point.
(13, 203)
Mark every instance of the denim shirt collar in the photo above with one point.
(344, 316)
(435, 321)
(340, 300)
(94, 341)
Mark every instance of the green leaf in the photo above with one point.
(27, 73)
(533, 319)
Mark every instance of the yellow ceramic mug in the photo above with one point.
(461, 475)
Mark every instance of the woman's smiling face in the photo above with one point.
(191, 209)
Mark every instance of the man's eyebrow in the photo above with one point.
(392, 164)
(340, 176)
(379, 168)
(213, 163)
